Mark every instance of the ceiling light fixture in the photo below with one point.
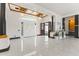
(20, 9)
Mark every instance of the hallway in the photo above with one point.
(43, 46)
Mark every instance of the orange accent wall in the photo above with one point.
(71, 24)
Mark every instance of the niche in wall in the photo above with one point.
(70, 25)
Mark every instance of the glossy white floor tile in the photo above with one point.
(43, 46)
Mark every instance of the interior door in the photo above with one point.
(28, 28)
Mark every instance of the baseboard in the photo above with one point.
(40, 34)
(4, 50)
(14, 38)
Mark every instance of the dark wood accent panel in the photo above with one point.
(52, 24)
(49, 28)
(42, 29)
(42, 32)
(76, 27)
(63, 23)
(2, 19)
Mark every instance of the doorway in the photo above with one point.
(27, 28)
(45, 28)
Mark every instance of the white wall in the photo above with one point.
(11, 22)
(12, 18)
(57, 18)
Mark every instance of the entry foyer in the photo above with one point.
(39, 29)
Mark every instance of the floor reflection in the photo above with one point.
(43, 46)
(35, 41)
(46, 41)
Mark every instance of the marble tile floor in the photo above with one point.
(43, 46)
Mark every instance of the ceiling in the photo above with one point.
(61, 8)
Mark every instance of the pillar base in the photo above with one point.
(4, 50)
